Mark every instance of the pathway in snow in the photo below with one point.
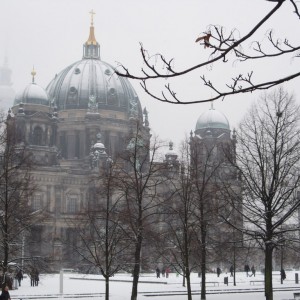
(77, 286)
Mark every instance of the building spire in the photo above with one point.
(5, 73)
(33, 73)
(92, 17)
(92, 40)
(91, 48)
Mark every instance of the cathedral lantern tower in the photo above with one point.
(91, 48)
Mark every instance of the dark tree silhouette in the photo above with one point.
(268, 149)
(223, 48)
(15, 190)
(103, 241)
(180, 229)
(140, 179)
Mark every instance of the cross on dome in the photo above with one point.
(92, 17)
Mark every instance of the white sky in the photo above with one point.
(49, 35)
(50, 285)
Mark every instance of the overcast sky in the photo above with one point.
(49, 34)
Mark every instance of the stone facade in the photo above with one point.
(85, 118)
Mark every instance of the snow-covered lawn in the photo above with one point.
(151, 287)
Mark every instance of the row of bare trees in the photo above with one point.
(144, 212)
(16, 189)
(268, 138)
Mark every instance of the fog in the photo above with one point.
(49, 34)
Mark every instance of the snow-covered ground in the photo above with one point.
(92, 287)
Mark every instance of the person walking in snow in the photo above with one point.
(167, 272)
(282, 274)
(247, 269)
(218, 271)
(31, 276)
(157, 272)
(36, 277)
(253, 271)
(19, 277)
(231, 271)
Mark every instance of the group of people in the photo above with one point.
(164, 272)
(34, 280)
(247, 270)
(34, 277)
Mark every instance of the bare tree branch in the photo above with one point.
(222, 46)
(235, 89)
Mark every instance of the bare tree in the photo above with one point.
(180, 229)
(140, 182)
(15, 189)
(193, 230)
(223, 48)
(268, 162)
(103, 243)
(208, 163)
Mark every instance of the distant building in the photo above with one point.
(213, 155)
(84, 118)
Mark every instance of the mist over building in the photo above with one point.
(7, 93)
(84, 118)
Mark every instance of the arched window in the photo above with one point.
(37, 202)
(37, 135)
(72, 203)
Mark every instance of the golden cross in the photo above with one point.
(92, 16)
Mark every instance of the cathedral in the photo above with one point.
(83, 119)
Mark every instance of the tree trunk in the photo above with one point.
(268, 272)
(106, 287)
(6, 250)
(203, 251)
(203, 281)
(234, 263)
(188, 284)
(136, 269)
(203, 262)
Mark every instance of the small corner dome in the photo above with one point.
(171, 152)
(212, 119)
(33, 94)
